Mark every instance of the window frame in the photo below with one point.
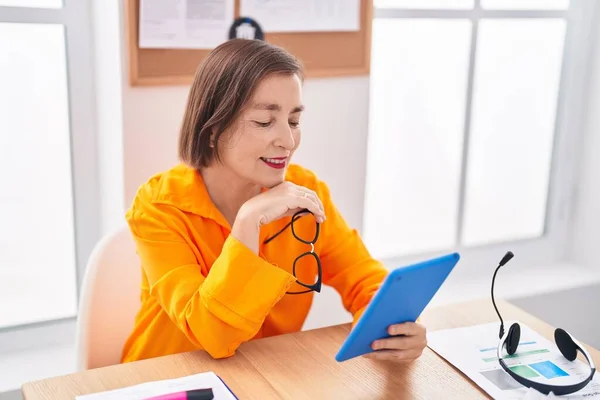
(76, 18)
(552, 247)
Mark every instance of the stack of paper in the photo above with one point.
(156, 388)
(473, 350)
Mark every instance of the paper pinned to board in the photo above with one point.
(192, 24)
(157, 388)
(473, 351)
(303, 15)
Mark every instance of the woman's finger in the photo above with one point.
(291, 212)
(308, 202)
(304, 192)
(317, 199)
(401, 343)
(407, 329)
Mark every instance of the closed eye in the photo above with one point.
(294, 124)
(262, 124)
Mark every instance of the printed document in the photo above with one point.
(192, 24)
(303, 15)
(162, 387)
(473, 351)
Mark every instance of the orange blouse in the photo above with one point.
(203, 289)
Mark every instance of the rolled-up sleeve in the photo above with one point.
(216, 312)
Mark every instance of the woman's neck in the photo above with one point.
(227, 191)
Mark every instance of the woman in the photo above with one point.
(219, 235)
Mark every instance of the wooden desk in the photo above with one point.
(302, 366)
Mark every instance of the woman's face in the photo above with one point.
(259, 146)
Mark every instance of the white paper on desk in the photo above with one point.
(193, 24)
(157, 388)
(473, 351)
(303, 15)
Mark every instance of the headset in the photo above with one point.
(566, 343)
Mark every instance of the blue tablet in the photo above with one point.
(401, 298)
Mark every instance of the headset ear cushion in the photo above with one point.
(565, 344)
(512, 339)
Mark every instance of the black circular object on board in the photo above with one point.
(246, 28)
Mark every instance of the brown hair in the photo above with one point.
(222, 86)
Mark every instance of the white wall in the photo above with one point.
(586, 223)
(151, 119)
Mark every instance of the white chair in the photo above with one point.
(109, 301)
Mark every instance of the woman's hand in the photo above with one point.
(281, 201)
(407, 344)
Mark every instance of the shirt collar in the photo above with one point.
(184, 189)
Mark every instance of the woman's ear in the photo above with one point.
(213, 138)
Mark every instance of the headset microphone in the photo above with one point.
(507, 257)
(567, 344)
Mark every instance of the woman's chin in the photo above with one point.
(272, 180)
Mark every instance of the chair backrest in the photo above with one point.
(109, 301)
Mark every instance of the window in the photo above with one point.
(468, 121)
(47, 146)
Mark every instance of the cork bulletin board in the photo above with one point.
(324, 54)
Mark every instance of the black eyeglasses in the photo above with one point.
(310, 240)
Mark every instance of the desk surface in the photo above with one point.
(302, 365)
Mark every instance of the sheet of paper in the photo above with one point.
(473, 351)
(303, 15)
(192, 24)
(156, 388)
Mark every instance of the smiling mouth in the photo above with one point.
(276, 163)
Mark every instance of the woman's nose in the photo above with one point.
(285, 138)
